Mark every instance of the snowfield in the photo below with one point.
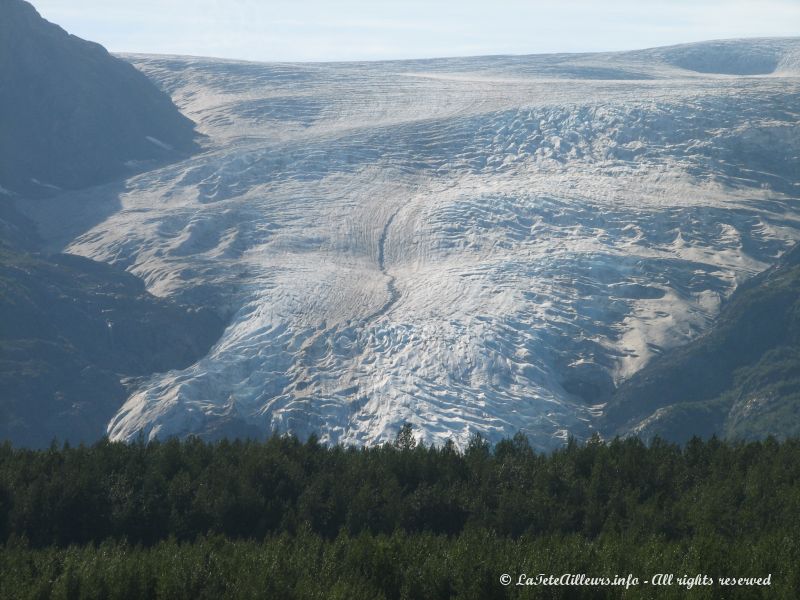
(476, 244)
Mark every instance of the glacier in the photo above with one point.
(470, 244)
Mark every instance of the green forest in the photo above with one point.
(288, 519)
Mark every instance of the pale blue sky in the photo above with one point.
(318, 30)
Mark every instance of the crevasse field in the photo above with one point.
(477, 244)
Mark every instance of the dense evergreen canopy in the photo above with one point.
(288, 519)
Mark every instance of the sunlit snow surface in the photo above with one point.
(463, 244)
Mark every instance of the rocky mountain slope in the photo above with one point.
(71, 114)
(740, 380)
(73, 331)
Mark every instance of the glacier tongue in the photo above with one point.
(465, 244)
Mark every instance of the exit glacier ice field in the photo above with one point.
(476, 244)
